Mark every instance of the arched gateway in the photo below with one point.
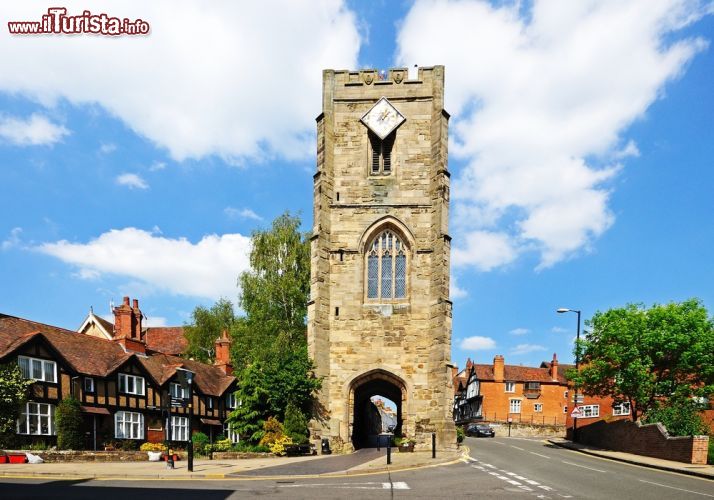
(379, 318)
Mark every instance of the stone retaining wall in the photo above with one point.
(235, 455)
(649, 440)
(528, 430)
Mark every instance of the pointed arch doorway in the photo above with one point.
(367, 419)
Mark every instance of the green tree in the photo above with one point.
(68, 422)
(269, 348)
(652, 358)
(681, 417)
(13, 393)
(295, 424)
(205, 327)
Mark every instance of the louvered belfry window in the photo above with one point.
(381, 159)
(386, 267)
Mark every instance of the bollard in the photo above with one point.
(389, 453)
(433, 445)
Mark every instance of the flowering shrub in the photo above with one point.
(278, 446)
(152, 447)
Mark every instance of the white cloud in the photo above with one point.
(155, 321)
(13, 240)
(455, 291)
(519, 331)
(37, 130)
(484, 250)
(107, 147)
(477, 343)
(540, 103)
(132, 181)
(558, 329)
(243, 213)
(527, 349)
(157, 165)
(234, 79)
(208, 268)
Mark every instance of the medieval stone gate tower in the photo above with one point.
(379, 318)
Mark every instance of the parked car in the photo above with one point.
(480, 430)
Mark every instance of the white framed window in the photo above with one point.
(38, 369)
(179, 428)
(88, 384)
(538, 407)
(621, 409)
(128, 425)
(232, 434)
(532, 386)
(590, 411)
(510, 387)
(177, 391)
(565, 409)
(37, 419)
(565, 395)
(131, 384)
(231, 401)
(387, 267)
(515, 406)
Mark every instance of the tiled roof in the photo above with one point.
(106, 324)
(73, 347)
(514, 373)
(165, 339)
(210, 379)
(100, 357)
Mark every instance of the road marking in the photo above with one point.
(516, 447)
(525, 488)
(546, 488)
(397, 485)
(680, 489)
(498, 442)
(490, 466)
(534, 453)
(565, 496)
(583, 466)
(534, 483)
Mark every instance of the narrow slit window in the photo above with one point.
(381, 157)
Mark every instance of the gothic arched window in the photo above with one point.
(387, 267)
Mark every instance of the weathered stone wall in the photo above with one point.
(409, 338)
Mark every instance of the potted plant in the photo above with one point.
(405, 444)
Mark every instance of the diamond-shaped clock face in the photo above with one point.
(383, 118)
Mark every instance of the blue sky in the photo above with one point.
(581, 154)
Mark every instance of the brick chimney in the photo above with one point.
(554, 368)
(223, 353)
(498, 368)
(127, 326)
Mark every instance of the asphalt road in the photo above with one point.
(498, 468)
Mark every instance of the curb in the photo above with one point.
(567, 445)
(235, 476)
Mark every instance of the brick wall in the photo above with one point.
(649, 440)
(496, 403)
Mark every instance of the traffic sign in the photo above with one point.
(577, 412)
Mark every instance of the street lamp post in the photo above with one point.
(577, 367)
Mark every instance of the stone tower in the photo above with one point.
(379, 316)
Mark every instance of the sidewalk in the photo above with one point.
(705, 471)
(218, 469)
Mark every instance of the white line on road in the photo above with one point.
(516, 447)
(396, 485)
(583, 466)
(680, 489)
(546, 488)
(498, 442)
(534, 453)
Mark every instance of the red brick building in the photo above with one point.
(498, 392)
